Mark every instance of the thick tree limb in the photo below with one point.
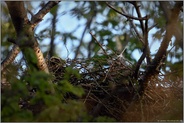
(18, 22)
(25, 38)
(167, 12)
(153, 69)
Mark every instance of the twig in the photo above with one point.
(99, 44)
(151, 27)
(126, 15)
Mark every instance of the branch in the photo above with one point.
(99, 44)
(126, 15)
(146, 31)
(154, 68)
(18, 15)
(53, 33)
(152, 27)
(134, 27)
(167, 12)
(139, 15)
(165, 6)
(18, 24)
(146, 52)
(11, 56)
(88, 24)
(38, 16)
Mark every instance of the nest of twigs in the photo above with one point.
(110, 89)
(107, 82)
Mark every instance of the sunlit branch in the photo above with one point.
(11, 56)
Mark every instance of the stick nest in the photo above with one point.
(106, 81)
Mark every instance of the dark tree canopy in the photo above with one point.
(92, 61)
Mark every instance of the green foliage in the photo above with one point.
(67, 87)
(54, 10)
(10, 97)
(52, 106)
(104, 119)
(70, 111)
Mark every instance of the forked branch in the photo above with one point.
(155, 66)
(19, 23)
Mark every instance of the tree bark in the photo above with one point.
(25, 36)
(26, 40)
(155, 66)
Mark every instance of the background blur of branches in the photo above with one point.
(110, 28)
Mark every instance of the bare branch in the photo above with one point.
(152, 27)
(126, 15)
(38, 16)
(11, 56)
(148, 58)
(18, 15)
(18, 24)
(99, 44)
(88, 24)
